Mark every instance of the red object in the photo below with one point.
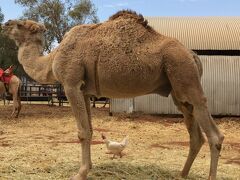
(6, 78)
(1, 72)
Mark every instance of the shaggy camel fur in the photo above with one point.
(122, 57)
(14, 89)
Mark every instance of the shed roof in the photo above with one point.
(201, 33)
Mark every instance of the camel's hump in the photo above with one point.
(130, 14)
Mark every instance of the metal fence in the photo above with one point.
(51, 93)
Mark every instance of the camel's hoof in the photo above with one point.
(211, 178)
(78, 177)
(183, 175)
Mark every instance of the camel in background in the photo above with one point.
(11, 84)
(121, 58)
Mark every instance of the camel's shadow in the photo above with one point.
(121, 171)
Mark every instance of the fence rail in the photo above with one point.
(52, 93)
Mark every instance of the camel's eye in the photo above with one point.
(19, 25)
(7, 23)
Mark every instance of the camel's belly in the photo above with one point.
(127, 85)
(123, 92)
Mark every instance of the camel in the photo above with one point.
(13, 87)
(120, 58)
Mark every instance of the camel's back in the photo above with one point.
(124, 30)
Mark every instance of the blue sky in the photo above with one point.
(148, 7)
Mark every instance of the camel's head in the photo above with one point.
(24, 30)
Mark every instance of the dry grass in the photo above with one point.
(43, 144)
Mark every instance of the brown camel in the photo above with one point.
(13, 87)
(122, 57)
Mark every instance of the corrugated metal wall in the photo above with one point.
(221, 84)
(219, 33)
(121, 105)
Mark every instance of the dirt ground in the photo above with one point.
(42, 144)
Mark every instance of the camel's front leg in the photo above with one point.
(16, 103)
(19, 106)
(78, 104)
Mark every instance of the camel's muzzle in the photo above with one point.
(3, 28)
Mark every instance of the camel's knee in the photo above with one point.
(84, 135)
(81, 135)
(216, 142)
(199, 102)
(221, 138)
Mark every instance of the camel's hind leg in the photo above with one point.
(184, 77)
(202, 117)
(196, 136)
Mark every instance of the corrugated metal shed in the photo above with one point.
(221, 33)
(221, 76)
(221, 84)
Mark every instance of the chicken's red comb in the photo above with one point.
(104, 137)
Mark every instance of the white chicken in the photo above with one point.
(115, 148)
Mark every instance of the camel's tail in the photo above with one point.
(199, 63)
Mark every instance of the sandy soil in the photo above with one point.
(43, 144)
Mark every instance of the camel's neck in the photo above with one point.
(36, 65)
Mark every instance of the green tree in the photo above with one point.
(1, 16)
(8, 52)
(59, 16)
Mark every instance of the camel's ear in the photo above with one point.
(34, 27)
(39, 28)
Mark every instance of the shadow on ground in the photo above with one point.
(120, 171)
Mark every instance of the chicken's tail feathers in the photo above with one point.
(125, 141)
